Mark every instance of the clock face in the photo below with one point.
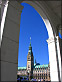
(28, 58)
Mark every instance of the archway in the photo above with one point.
(51, 40)
(10, 40)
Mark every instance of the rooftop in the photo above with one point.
(36, 66)
(41, 66)
(21, 68)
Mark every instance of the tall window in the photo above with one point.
(46, 76)
(40, 76)
(49, 75)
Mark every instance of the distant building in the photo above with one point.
(36, 71)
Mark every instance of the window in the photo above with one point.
(36, 76)
(28, 58)
(42, 76)
(46, 76)
(28, 65)
(49, 75)
(42, 71)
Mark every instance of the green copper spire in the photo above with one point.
(30, 44)
(30, 41)
(30, 48)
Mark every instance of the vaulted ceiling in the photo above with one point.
(55, 6)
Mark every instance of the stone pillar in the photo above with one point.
(4, 6)
(53, 60)
(58, 56)
(59, 45)
(10, 42)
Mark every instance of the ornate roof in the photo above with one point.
(41, 66)
(36, 66)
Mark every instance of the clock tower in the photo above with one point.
(30, 62)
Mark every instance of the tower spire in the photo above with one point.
(30, 48)
(30, 41)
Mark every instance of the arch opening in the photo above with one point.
(51, 40)
(36, 51)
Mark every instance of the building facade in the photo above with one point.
(34, 70)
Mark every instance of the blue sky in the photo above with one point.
(32, 25)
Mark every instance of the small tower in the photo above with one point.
(30, 61)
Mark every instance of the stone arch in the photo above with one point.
(10, 38)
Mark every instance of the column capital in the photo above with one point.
(4, 3)
(50, 40)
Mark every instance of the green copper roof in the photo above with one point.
(21, 68)
(37, 66)
(40, 66)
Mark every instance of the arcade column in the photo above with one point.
(53, 60)
(58, 54)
